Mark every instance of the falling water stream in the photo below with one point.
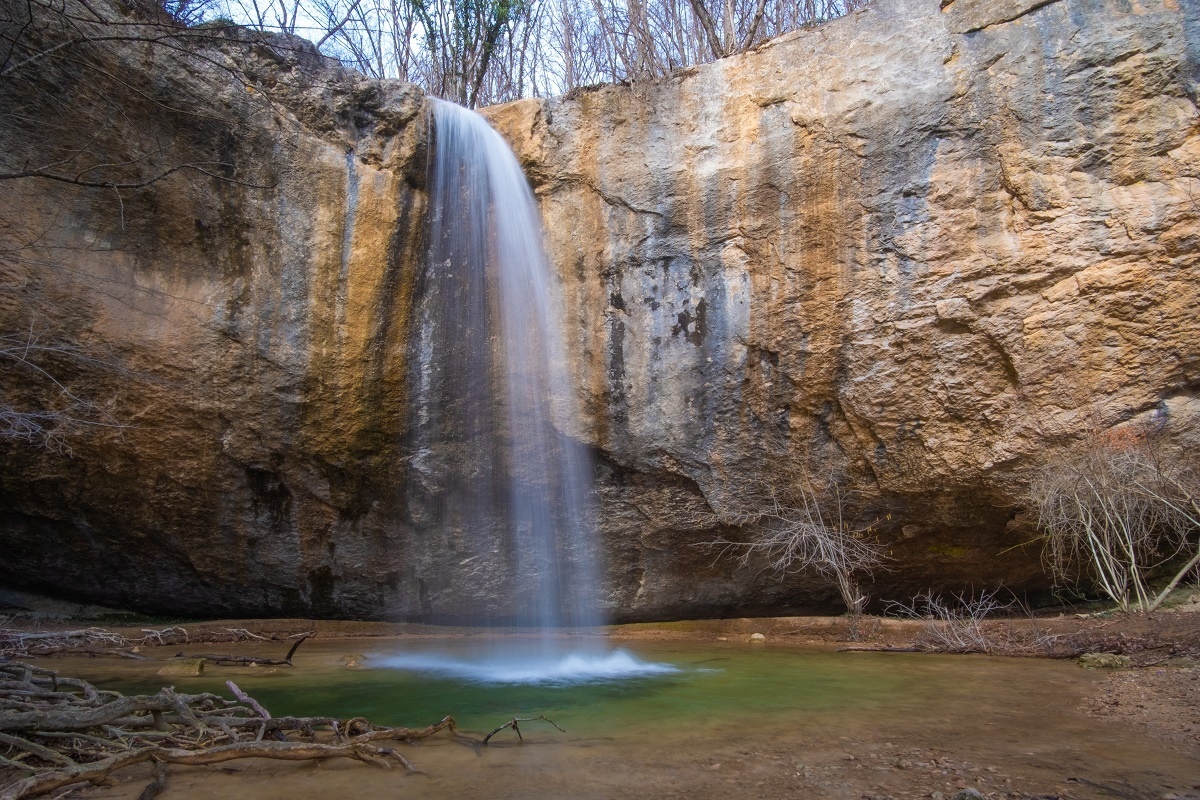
(501, 494)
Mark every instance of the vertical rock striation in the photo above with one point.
(243, 318)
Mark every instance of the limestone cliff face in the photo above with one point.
(915, 246)
(921, 244)
(242, 317)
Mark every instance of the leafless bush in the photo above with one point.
(798, 524)
(862, 628)
(1119, 507)
(27, 360)
(961, 624)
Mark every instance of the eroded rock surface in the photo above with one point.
(917, 246)
(243, 318)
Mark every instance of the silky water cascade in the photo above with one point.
(500, 494)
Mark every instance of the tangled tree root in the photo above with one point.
(63, 731)
(93, 641)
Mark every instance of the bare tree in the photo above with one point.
(37, 405)
(1118, 507)
(480, 52)
(797, 523)
(283, 16)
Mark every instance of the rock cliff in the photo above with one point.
(241, 318)
(916, 246)
(920, 245)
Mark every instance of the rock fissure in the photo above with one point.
(973, 16)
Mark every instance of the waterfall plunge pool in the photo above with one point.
(713, 718)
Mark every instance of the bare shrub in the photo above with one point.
(1117, 508)
(961, 624)
(799, 523)
(29, 364)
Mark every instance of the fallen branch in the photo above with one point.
(258, 661)
(83, 641)
(63, 731)
(868, 649)
(248, 700)
(100, 642)
(160, 637)
(286, 751)
(361, 731)
(242, 633)
(512, 723)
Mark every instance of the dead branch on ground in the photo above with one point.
(258, 661)
(513, 723)
(62, 731)
(85, 641)
(100, 642)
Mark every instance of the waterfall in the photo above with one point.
(501, 497)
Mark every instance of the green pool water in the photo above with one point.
(731, 718)
(713, 685)
(710, 687)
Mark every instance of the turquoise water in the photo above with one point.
(701, 685)
(702, 721)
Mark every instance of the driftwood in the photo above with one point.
(84, 641)
(62, 731)
(512, 723)
(257, 661)
(100, 642)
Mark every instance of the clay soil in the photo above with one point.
(1142, 724)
